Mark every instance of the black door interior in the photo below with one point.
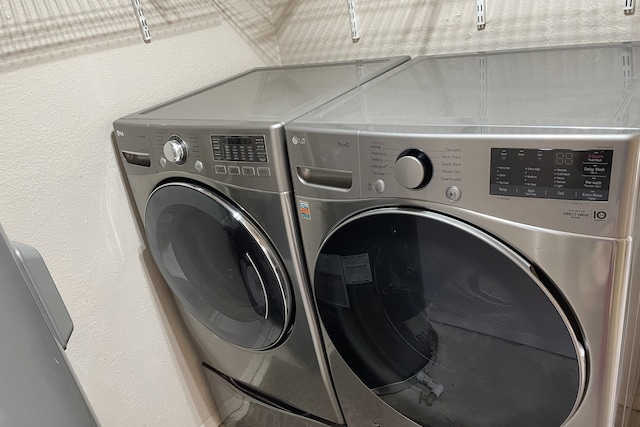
(445, 323)
(218, 264)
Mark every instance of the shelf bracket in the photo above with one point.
(628, 85)
(629, 7)
(142, 21)
(481, 12)
(355, 36)
(482, 77)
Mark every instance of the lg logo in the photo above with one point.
(297, 140)
(599, 215)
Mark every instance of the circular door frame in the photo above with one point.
(267, 249)
(509, 253)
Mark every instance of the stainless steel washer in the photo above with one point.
(209, 177)
(469, 223)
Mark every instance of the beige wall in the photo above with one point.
(61, 189)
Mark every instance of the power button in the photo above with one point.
(453, 193)
(379, 186)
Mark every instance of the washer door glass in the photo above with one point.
(219, 265)
(446, 324)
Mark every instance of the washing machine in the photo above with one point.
(470, 228)
(208, 174)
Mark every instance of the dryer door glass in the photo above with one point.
(446, 324)
(219, 265)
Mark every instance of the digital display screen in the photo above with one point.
(551, 173)
(239, 148)
(238, 140)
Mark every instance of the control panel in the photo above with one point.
(391, 166)
(551, 173)
(239, 148)
(568, 182)
(252, 158)
(227, 156)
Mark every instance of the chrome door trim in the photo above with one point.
(264, 288)
(502, 248)
(265, 245)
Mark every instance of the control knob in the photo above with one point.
(413, 169)
(175, 150)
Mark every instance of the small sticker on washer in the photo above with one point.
(356, 269)
(329, 282)
(305, 212)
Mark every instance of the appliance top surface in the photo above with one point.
(578, 88)
(271, 94)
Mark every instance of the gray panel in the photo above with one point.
(239, 410)
(37, 387)
(41, 284)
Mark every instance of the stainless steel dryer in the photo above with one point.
(470, 227)
(209, 177)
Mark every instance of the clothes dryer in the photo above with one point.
(470, 227)
(209, 176)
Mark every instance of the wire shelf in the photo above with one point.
(33, 30)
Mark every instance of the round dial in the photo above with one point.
(175, 150)
(413, 169)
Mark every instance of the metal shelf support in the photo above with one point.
(142, 21)
(629, 7)
(355, 35)
(480, 14)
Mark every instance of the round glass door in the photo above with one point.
(446, 324)
(219, 265)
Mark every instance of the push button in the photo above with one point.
(453, 193)
(264, 171)
(221, 169)
(234, 170)
(248, 170)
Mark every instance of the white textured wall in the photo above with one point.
(311, 30)
(62, 192)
